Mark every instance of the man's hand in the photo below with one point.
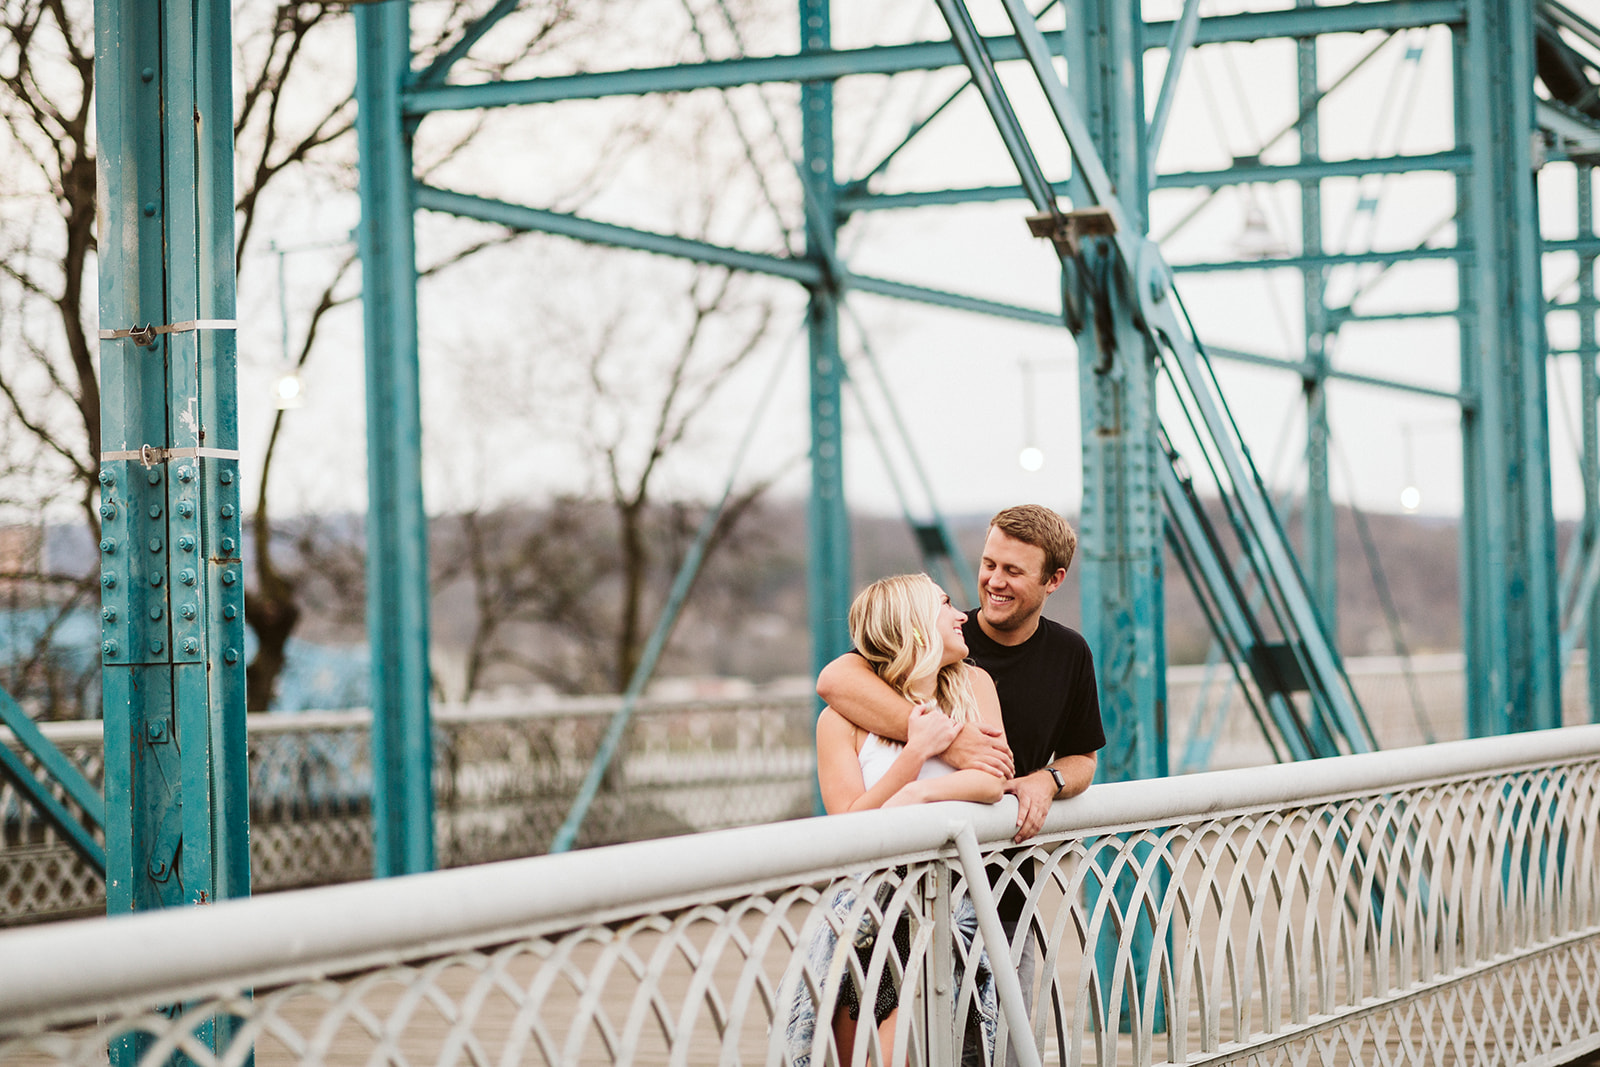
(979, 747)
(1034, 793)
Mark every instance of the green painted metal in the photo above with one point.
(397, 552)
(808, 272)
(1320, 543)
(826, 64)
(1589, 393)
(59, 772)
(1121, 526)
(828, 517)
(176, 808)
(1511, 631)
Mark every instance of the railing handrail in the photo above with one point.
(71, 968)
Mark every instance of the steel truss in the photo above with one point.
(173, 629)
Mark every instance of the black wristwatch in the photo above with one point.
(1061, 783)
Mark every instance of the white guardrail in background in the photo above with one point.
(1431, 905)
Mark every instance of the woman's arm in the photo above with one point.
(839, 768)
(975, 785)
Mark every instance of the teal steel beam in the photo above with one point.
(59, 772)
(808, 272)
(172, 636)
(1304, 369)
(1121, 534)
(397, 552)
(1589, 405)
(1298, 22)
(1320, 546)
(1313, 168)
(856, 199)
(828, 516)
(1462, 252)
(436, 72)
(1512, 640)
(828, 64)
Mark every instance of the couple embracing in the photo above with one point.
(938, 704)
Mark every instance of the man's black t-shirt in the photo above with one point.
(1050, 708)
(1048, 700)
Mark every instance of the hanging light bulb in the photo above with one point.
(1410, 498)
(1031, 459)
(286, 392)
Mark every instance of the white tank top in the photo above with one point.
(877, 755)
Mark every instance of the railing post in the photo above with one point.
(944, 1030)
(1007, 984)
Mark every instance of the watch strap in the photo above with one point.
(1055, 776)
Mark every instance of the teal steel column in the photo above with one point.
(172, 635)
(397, 548)
(1513, 634)
(1320, 542)
(1120, 525)
(829, 518)
(1120, 534)
(1589, 391)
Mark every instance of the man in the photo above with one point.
(1043, 671)
(1044, 674)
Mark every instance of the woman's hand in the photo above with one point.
(929, 731)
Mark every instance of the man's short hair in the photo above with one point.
(1042, 528)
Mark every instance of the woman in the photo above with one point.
(906, 628)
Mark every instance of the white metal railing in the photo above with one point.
(1432, 905)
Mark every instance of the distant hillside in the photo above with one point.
(747, 616)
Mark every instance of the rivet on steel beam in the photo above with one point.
(232, 655)
(156, 729)
(155, 612)
(158, 868)
(190, 646)
(186, 473)
(229, 577)
(155, 544)
(186, 542)
(108, 614)
(150, 210)
(108, 546)
(155, 579)
(227, 511)
(157, 645)
(229, 612)
(152, 476)
(227, 546)
(187, 611)
(186, 509)
(226, 477)
(147, 75)
(108, 511)
(109, 648)
(186, 576)
(108, 477)
(108, 580)
(155, 511)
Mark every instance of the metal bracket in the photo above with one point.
(150, 455)
(145, 336)
(1066, 230)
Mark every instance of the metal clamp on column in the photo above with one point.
(150, 455)
(144, 336)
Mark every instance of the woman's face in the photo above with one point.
(949, 628)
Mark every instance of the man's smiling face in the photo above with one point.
(1014, 586)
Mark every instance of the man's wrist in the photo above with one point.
(1057, 783)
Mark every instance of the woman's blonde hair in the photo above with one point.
(894, 625)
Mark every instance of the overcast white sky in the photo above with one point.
(494, 330)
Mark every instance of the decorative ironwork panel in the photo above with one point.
(1438, 905)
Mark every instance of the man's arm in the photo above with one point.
(1035, 792)
(850, 687)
